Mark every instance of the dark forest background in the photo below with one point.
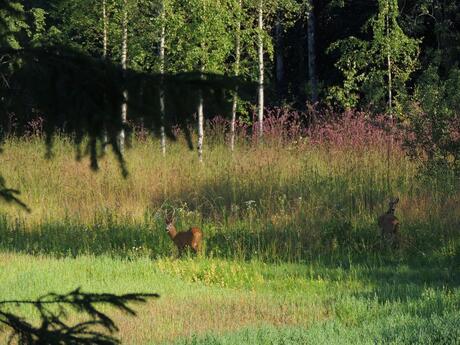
(71, 62)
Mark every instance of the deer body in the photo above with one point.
(388, 223)
(191, 238)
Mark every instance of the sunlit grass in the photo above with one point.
(200, 295)
(269, 202)
(292, 252)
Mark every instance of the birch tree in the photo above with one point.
(162, 71)
(236, 71)
(267, 11)
(200, 121)
(124, 63)
(260, 98)
(378, 68)
(202, 42)
(104, 29)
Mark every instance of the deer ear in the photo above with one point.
(396, 201)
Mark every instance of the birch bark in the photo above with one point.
(124, 60)
(162, 71)
(261, 69)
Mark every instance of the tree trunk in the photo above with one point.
(200, 126)
(312, 78)
(390, 96)
(124, 59)
(237, 72)
(261, 70)
(104, 56)
(279, 54)
(162, 71)
(104, 21)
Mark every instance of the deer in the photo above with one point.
(389, 224)
(191, 238)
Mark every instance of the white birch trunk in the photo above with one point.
(162, 71)
(390, 99)
(261, 70)
(233, 122)
(200, 106)
(312, 54)
(104, 22)
(200, 126)
(390, 96)
(124, 59)
(237, 72)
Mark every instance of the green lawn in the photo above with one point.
(214, 301)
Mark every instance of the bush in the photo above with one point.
(433, 127)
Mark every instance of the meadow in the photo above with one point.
(292, 252)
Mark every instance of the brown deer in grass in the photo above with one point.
(191, 238)
(389, 224)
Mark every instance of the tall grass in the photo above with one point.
(298, 195)
(305, 199)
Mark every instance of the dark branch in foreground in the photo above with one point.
(10, 195)
(53, 310)
(81, 96)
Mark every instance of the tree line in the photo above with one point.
(394, 57)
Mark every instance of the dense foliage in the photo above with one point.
(385, 56)
(417, 35)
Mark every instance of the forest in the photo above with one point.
(384, 57)
(229, 171)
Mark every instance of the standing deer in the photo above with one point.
(191, 238)
(389, 224)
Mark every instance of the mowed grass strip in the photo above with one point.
(183, 309)
(311, 299)
(434, 330)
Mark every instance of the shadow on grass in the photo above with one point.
(425, 288)
(10, 195)
(70, 239)
(97, 328)
(335, 243)
(287, 242)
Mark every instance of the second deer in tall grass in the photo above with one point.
(192, 238)
(389, 224)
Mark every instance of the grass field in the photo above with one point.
(212, 301)
(292, 252)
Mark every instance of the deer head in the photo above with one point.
(392, 205)
(169, 220)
